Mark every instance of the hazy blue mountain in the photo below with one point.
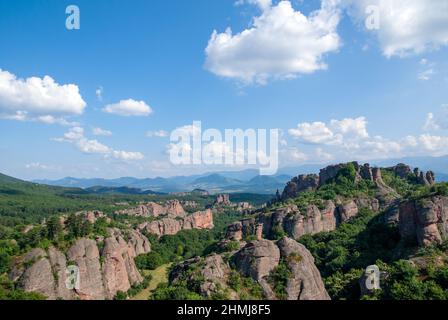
(119, 190)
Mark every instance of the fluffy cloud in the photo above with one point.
(129, 108)
(38, 99)
(101, 132)
(407, 26)
(280, 44)
(336, 132)
(349, 139)
(76, 137)
(158, 134)
(438, 121)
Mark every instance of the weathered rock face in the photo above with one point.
(118, 269)
(85, 255)
(166, 226)
(170, 226)
(222, 200)
(306, 282)
(402, 170)
(99, 278)
(38, 277)
(347, 211)
(300, 184)
(93, 216)
(172, 209)
(199, 220)
(424, 220)
(235, 231)
(329, 173)
(312, 222)
(257, 259)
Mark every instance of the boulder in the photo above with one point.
(85, 255)
(424, 220)
(347, 211)
(306, 282)
(33, 273)
(257, 259)
(300, 184)
(174, 209)
(222, 200)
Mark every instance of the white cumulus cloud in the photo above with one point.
(76, 137)
(334, 133)
(129, 108)
(280, 44)
(406, 26)
(38, 99)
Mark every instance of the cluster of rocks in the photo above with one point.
(102, 272)
(172, 209)
(297, 223)
(311, 182)
(257, 259)
(223, 201)
(404, 171)
(171, 226)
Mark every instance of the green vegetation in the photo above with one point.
(186, 244)
(247, 288)
(278, 278)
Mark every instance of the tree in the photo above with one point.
(54, 228)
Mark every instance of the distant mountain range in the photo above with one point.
(213, 183)
(231, 181)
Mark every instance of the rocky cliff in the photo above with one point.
(424, 220)
(171, 209)
(105, 267)
(171, 226)
(298, 222)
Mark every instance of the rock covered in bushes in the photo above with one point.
(257, 260)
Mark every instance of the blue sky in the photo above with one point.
(155, 52)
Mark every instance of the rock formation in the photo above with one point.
(172, 209)
(424, 220)
(297, 223)
(306, 282)
(171, 226)
(256, 259)
(222, 200)
(300, 184)
(101, 274)
(312, 182)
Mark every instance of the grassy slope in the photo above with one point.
(159, 275)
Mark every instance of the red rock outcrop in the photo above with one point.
(170, 226)
(100, 275)
(222, 200)
(172, 208)
(424, 220)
